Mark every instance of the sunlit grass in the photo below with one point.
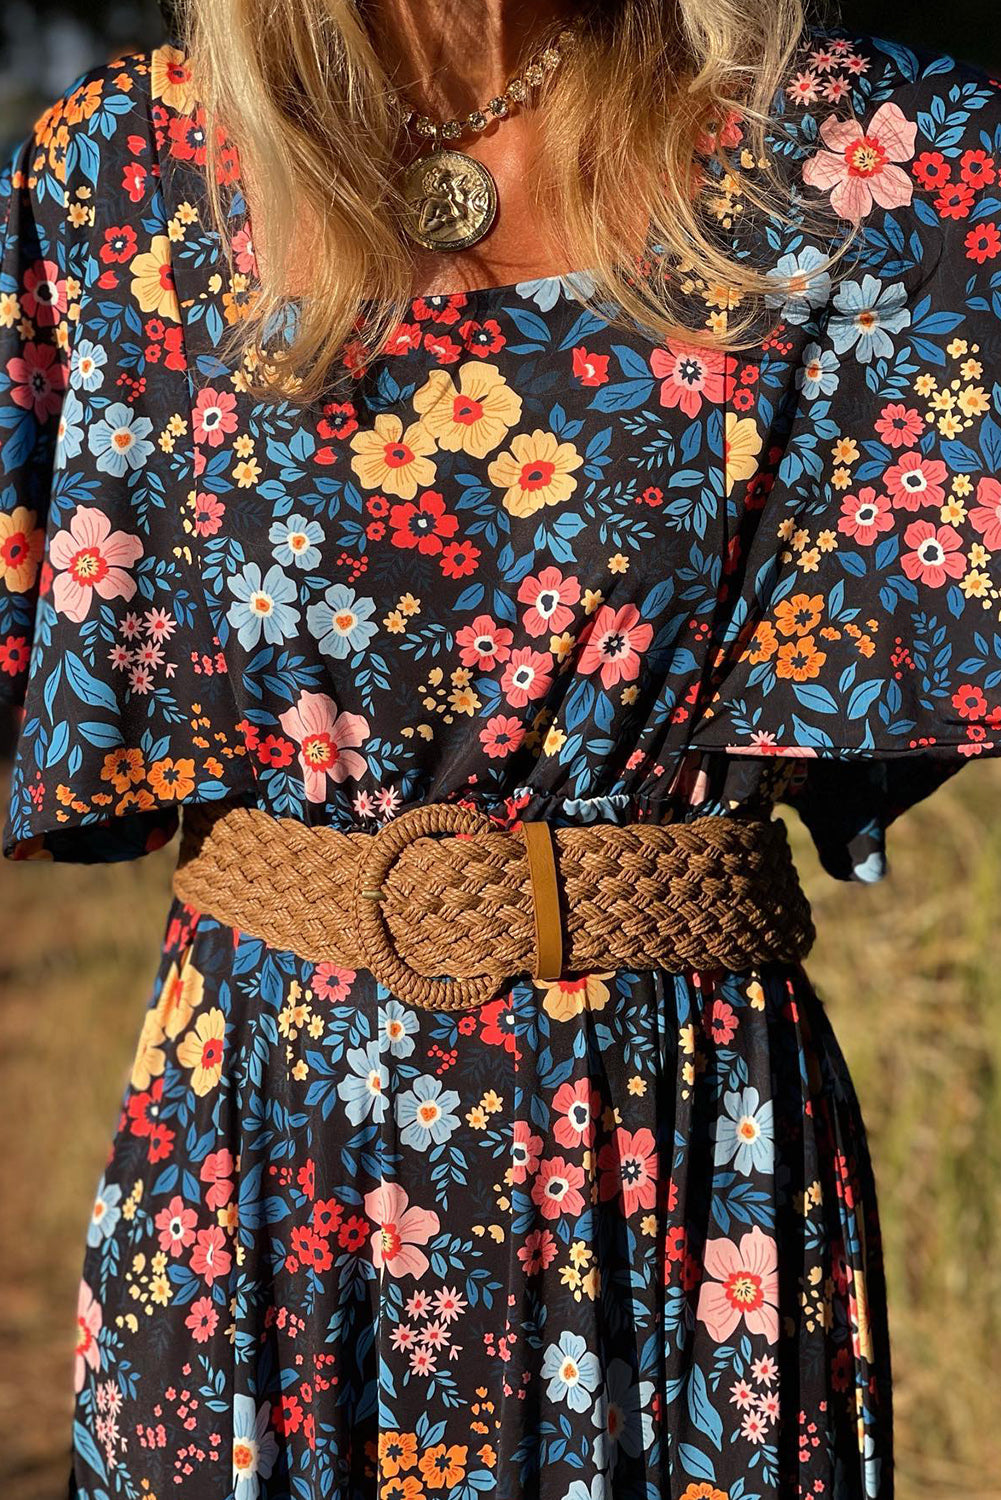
(910, 971)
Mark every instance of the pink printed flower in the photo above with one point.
(556, 1188)
(865, 515)
(860, 166)
(202, 1320)
(915, 480)
(44, 297)
(613, 642)
(900, 426)
(90, 558)
(549, 597)
(210, 1259)
(986, 517)
(88, 1326)
(528, 675)
(539, 1251)
(576, 1106)
(38, 380)
(214, 416)
(938, 553)
(209, 511)
(501, 735)
(176, 1224)
(483, 643)
(217, 1171)
(526, 1148)
(744, 1285)
(326, 741)
(401, 1230)
(628, 1165)
(331, 982)
(689, 376)
(244, 255)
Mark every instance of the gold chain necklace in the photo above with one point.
(450, 197)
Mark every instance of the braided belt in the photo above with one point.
(443, 922)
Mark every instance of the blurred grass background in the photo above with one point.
(909, 969)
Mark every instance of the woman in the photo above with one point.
(620, 463)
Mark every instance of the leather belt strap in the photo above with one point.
(442, 906)
(545, 900)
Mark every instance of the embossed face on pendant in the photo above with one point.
(452, 200)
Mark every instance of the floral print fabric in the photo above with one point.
(615, 1236)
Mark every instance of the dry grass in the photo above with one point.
(910, 971)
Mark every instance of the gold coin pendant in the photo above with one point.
(451, 200)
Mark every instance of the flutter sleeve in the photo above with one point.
(107, 646)
(864, 454)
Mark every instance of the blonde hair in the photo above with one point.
(630, 125)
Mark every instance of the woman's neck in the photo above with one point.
(450, 56)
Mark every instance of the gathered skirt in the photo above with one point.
(616, 1237)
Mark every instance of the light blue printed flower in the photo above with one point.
(572, 1372)
(105, 1213)
(118, 440)
(745, 1133)
(818, 374)
(809, 291)
(547, 290)
(397, 1025)
(866, 313)
(262, 605)
(600, 1488)
(426, 1113)
(363, 1092)
(623, 1412)
(296, 541)
(69, 438)
(255, 1447)
(341, 623)
(87, 364)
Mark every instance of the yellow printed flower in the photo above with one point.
(389, 459)
(149, 1060)
(21, 544)
(740, 449)
(476, 417)
(171, 80)
(182, 994)
(566, 998)
(153, 280)
(202, 1049)
(536, 471)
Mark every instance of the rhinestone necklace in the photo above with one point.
(450, 197)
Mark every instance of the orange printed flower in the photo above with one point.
(397, 1452)
(443, 1466)
(800, 659)
(764, 642)
(800, 614)
(123, 768)
(172, 778)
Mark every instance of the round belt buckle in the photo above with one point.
(381, 958)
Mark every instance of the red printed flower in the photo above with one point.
(424, 524)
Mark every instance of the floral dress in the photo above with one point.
(614, 1236)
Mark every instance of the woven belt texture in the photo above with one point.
(442, 907)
